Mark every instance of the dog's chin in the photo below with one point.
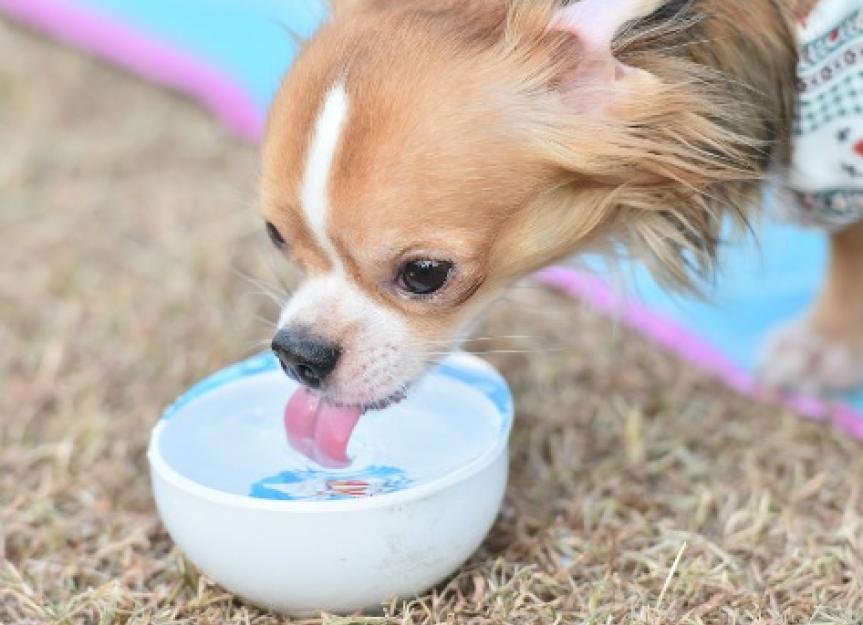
(400, 395)
(344, 400)
(386, 402)
(378, 404)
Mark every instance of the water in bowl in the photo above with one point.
(231, 438)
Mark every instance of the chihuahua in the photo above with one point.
(423, 155)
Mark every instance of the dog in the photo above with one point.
(423, 155)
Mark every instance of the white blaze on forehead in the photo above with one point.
(322, 151)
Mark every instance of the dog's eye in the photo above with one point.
(275, 236)
(424, 277)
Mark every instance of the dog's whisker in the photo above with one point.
(270, 297)
(506, 351)
(278, 296)
(278, 275)
(259, 344)
(255, 347)
(265, 320)
(478, 339)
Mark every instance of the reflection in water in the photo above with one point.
(323, 485)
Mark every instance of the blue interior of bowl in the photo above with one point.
(227, 433)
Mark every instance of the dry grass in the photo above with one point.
(641, 492)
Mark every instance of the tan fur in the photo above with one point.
(468, 140)
(408, 177)
(658, 175)
(838, 314)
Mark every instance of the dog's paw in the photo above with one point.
(797, 357)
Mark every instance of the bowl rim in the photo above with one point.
(160, 466)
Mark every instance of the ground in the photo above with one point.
(133, 263)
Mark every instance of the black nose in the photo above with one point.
(306, 359)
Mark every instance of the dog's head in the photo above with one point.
(422, 155)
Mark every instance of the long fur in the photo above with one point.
(659, 177)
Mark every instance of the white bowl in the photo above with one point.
(424, 487)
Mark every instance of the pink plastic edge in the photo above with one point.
(154, 60)
(690, 347)
(159, 62)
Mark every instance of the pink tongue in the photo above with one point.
(320, 430)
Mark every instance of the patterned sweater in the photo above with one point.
(826, 174)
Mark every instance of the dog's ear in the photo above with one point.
(675, 232)
(591, 79)
(649, 161)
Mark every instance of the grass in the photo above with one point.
(641, 492)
